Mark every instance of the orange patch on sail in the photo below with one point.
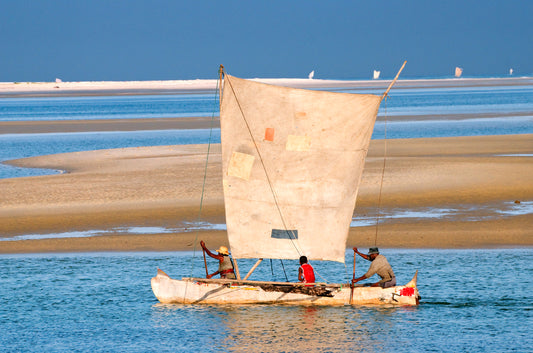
(269, 134)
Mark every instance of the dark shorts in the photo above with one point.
(390, 283)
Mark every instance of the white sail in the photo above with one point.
(510, 71)
(458, 72)
(292, 162)
(376, 74)
(312, 74)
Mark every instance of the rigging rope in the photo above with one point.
(217, 94)
(287, 278)
(385, 96)
(378, 213)
(319, 275)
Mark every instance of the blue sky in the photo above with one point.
(80, 40)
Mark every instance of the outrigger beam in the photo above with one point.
(252, 269)
(255, 283)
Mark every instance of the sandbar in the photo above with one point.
(162, 185)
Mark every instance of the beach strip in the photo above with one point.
(107, 88)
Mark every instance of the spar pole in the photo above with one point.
(205, 263)
(353, 278)
(393, 81)
(220, 79)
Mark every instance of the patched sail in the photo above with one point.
(292, 163)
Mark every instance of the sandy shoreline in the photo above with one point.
(43, 89)
(161, 186)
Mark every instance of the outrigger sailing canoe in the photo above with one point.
(292, 162)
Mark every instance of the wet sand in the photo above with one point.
(161, 186)
(66, 126)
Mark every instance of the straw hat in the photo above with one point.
(223, 250)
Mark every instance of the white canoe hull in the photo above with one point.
(197, 291)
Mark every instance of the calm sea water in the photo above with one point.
(455, 110)
(14, 146)
(106, 107)
(457, 100)
(472, 301)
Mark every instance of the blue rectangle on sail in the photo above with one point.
(284, 234)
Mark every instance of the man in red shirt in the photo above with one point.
(306, 274)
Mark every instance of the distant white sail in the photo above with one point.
(458, 71)
(510, 71)
(376, 74)
(311, 74)
(58, 80)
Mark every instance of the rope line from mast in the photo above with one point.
(378, 213)
(385, 97)
(217, 95)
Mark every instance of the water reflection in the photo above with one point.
(278, 328)
(472, 301)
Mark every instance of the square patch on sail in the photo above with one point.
(284, 234)
(298, 143)
(240, 165)
(269, 134)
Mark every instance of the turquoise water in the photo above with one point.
(453, 100)
(461, 100)
(449, 112)
(472, 301)
(13, 146)
(106, 107)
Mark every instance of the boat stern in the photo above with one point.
(397, 295)
(407, 294)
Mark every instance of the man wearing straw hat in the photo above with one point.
(379, 266)
(225, 265)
